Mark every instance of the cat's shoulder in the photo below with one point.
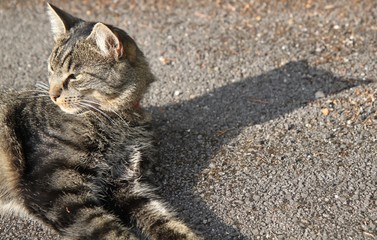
(12, 100)
(9, 97)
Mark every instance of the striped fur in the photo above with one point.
(76, 154)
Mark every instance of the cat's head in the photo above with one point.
(94, 65)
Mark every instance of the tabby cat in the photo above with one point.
(77, 154)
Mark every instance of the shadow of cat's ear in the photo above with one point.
(106, 40)
(61, 21)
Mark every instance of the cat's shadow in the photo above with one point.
(190, 133)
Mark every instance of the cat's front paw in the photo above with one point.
(176, 230)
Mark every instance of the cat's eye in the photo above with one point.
(71, 77)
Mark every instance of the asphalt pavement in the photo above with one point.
(265, 112)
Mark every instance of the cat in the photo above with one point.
(77, 153)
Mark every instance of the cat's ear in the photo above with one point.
(61, 21)
(107, 41)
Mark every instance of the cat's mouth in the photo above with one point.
(80, 106)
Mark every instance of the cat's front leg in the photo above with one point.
(68, 200)
(143, 208)
(96, 223)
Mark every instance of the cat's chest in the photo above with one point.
(53, 136)
(89, 135)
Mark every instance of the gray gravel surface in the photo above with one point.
(265, 112)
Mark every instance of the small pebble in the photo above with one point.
(325, 111)
(319, 94)
(177, 93)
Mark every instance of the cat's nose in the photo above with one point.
(54, 97)
(55, 93)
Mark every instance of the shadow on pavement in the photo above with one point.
(190, 133)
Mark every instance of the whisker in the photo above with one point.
(92, 112)
(42, 89)
(123, 120)
(36, 96)
(117, 114)
(35, 91)
(98, 110)
(88, 101)
(42, 86)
